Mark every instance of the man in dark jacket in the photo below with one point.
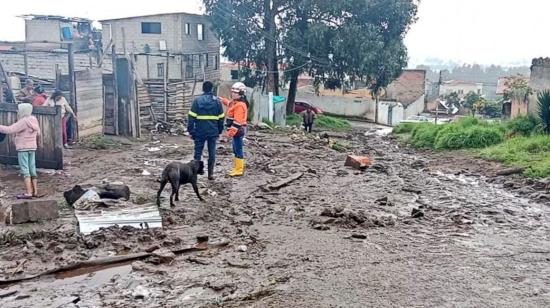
(206, 120)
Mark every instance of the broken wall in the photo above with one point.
(42, 64)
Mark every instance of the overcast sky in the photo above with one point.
(473, 31)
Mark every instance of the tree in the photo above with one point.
(470, 100)
(518, 89)
(488, 108)
(249, 33)
(343, 40)
(544, 109)
(452, 99)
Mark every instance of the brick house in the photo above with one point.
(181, 45)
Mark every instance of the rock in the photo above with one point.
(321, 227)
(7, 293)
(38, 244)
(242, 248)
(413, 190)
(244, 220)
(359, 236)
(152, 248)
(140, 292)
(358, 162)
(384, 201)
(510, 171)
(416, 213)
(202, 238)
(164, 255)
(542, 184)
(57, 249)
(418, 164)
(34, 211)
(509, 185)
(22, 296)
(140, 266)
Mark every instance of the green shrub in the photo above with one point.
(404, 128)
(533, 153)
(329, 122)
(293, 120)
(322, 121)
(475, 137)
(424, 134)
(523, 125)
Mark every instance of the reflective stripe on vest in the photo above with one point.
(206, 117)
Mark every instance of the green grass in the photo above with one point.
(532, 153)
(321, 121)
(515, 143)
(466, 133)
(523, 125)
(100, 142)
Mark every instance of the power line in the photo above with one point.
(225, 13)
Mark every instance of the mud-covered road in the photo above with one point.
(416, 229)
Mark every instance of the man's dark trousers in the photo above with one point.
(199, 146)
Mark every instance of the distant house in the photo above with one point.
(510, 107)
(52, 28)
(179, 45)
(405, 97)
(460, 87)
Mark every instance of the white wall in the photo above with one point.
(343, 106)
(398, 112)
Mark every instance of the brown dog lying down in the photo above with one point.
(178, 174)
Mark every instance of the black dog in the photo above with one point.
(178, 174)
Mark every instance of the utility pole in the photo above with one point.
(438, 91)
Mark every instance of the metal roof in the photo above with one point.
(54, 17)
(151, 15)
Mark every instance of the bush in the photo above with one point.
(523, 125)
(423, 135)
(474, 137)
(322, 121)
(294, 120)
(533, 153)
(329, 122)
(404, 128)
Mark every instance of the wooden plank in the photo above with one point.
(49, 152)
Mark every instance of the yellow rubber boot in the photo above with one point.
(239, 167)
(234, 167)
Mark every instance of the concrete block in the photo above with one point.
(34, 211)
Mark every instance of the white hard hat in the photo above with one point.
(238, 87)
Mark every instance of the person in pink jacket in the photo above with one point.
(26, 131)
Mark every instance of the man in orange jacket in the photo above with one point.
(236, 116)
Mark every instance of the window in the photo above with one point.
(150, 27)
(479, 91)
(460, 92)
(216, 62)
(188, 66)
(235, 76)
(206, 61)
(200, 32)
(200, 60)
(160, 70)
(188, 29)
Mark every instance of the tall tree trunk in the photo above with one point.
(271, 48)
(292, 92)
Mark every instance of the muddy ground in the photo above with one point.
(416, 229)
